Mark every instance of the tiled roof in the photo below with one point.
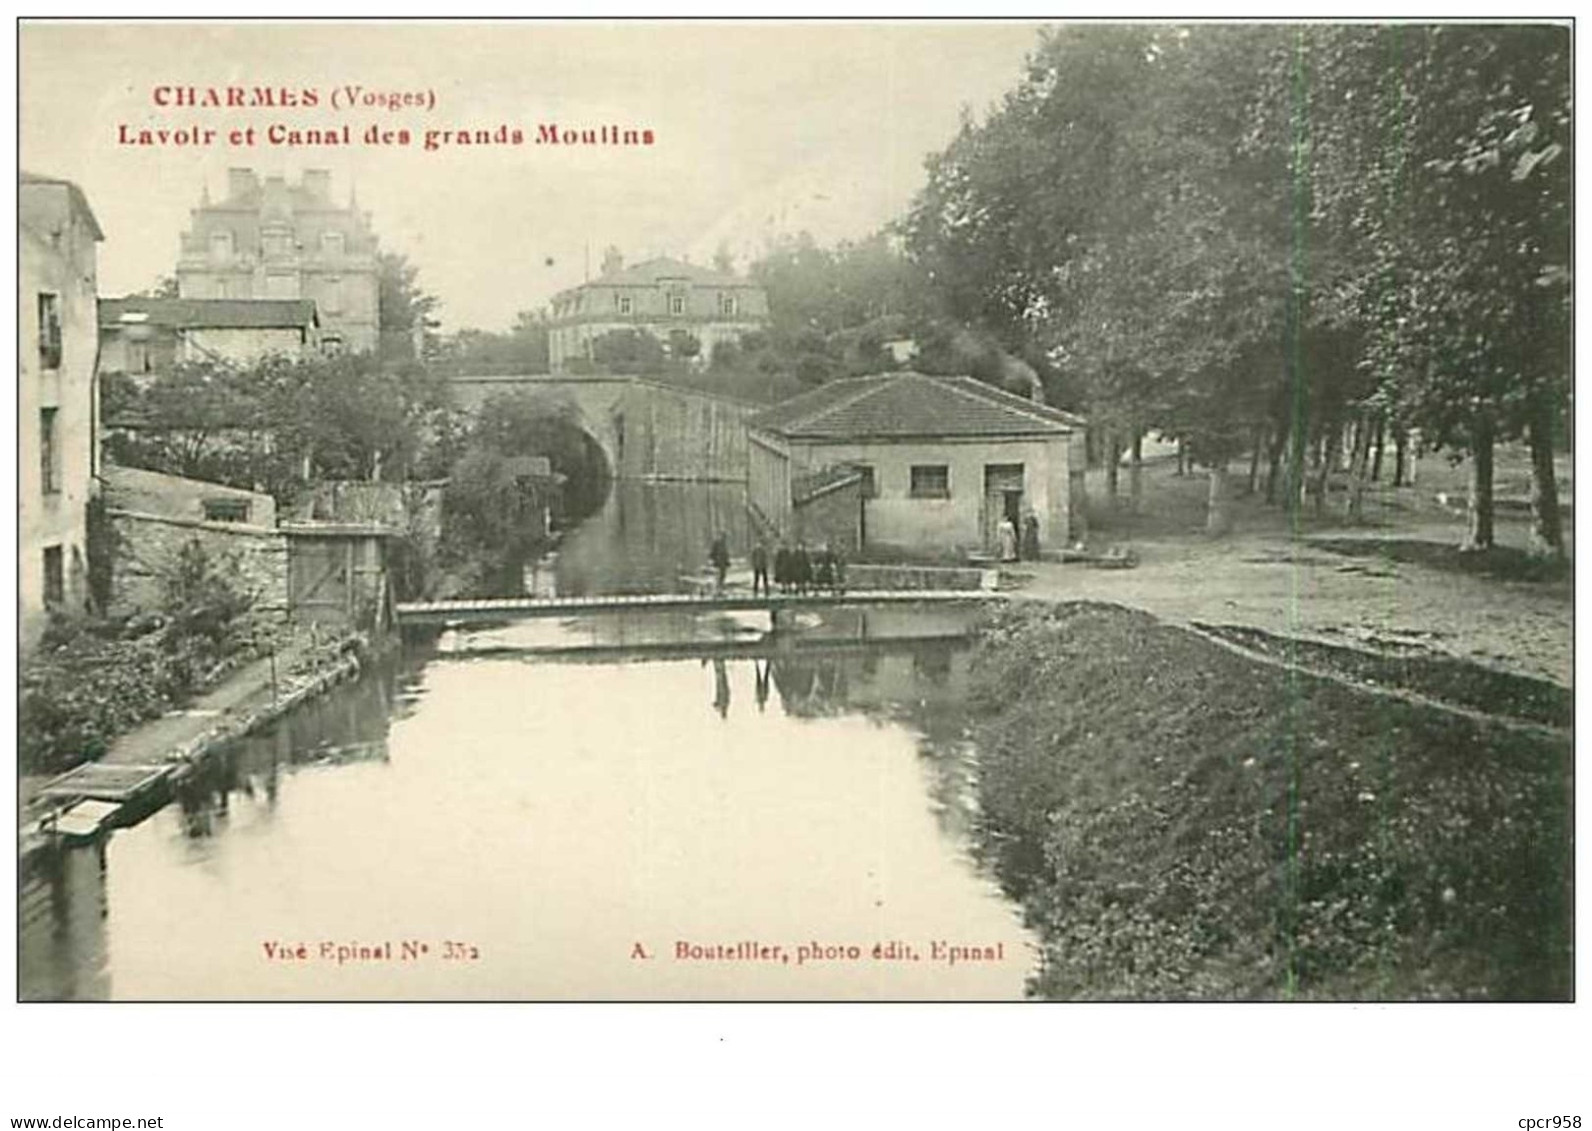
(649, 273)
(79, 201)
(207, 313)
(911, 404)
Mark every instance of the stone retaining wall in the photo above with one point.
(149, 546)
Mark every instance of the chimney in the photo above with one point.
(613, 262)
(241, 183)
(318, 183)
(275, 194)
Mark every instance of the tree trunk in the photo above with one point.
(1354, 508)
(1547, 530)
(1136, 472)
(1279, 442)
(1113, 456)
(1293, 483)
(1401, 446)
(1182, 460)
(1329, 460)
(1380, 442)
(1479, 535)
(1219, 509)
(1254, 460)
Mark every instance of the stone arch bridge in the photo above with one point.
(646, 429)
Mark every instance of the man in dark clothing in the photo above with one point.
(719, 555)
(760, 568)
(1031, 537)
(824, 569)
(801, 568)
(782, 568)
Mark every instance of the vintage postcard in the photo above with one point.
(860, 511)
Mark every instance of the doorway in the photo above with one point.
(1003, 499)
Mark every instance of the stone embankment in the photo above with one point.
(180, 742)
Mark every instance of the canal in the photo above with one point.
(630, 807)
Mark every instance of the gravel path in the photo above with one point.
(1295, 589)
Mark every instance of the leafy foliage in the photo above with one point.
(273, 424)
(403, 308)
(524, 349)
(92, 679)
(1225, 231)
(491, 510)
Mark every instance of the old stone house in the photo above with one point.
(145, 336)
(272, 240)
(663, 297)
(57, 258)
(938, 462)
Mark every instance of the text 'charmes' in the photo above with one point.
(293, 132)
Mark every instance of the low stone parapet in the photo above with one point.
(902, 577)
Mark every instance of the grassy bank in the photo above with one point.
(1183, 822)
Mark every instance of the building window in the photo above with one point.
(332, 295)
(870, 490)
(727, 305)
(221, 245)
(54, 578)
(49, 453)
(223, 289)
(226, 510)
(931, 481)
(276, 245)
(332, 243)
(623, 302)
(331, 345)
(49, 330)
(677, 304)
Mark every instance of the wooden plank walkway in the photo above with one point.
(115, 783)
(760, 648)
(516, 607)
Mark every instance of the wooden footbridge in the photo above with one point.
(775, 604)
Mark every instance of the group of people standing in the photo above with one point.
(1014, 546)
(798, 571)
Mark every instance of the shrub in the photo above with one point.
(92, 679)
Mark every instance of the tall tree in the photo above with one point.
(404, 310)
(1453, 171)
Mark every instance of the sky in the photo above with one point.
(761, 130)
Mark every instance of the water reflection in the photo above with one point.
(61, 912)
(555, 813)
(647, 538)
(555, 793)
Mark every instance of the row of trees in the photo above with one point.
(1264, 237)
(279, 423)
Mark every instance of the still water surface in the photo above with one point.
(553, 827)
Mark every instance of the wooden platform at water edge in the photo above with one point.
(514, 608)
